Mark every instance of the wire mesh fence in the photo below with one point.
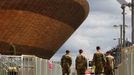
(27, 65)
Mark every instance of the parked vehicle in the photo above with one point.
(90, 69)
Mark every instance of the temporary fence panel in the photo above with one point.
(10, 65)
(58, 70)
(50, 65)
(38, 65)
(54, 71)
(132, 61)
(27, 65)
(44, 67)
(126, 67)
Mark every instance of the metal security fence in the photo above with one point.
(127, 65)
(9, 65)
(27, 65)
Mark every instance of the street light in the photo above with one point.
(125, 2)
(120, 33)
(123, 13)
(121, 42)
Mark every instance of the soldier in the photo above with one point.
(81, 63)
(66, 62)
(109, 67)
(99, 61)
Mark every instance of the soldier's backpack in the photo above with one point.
(108, 63)
(81, 62)
(65, 61)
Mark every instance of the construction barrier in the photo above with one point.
(127, 65)
(28, 65)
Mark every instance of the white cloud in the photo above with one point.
(97, 29)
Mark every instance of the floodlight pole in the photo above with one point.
(119, 39)
(123, 13)
(120, 36)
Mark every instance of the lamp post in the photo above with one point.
(123, 13)
(124, 3)
(132, 5)
(120, 39)
(121, 34)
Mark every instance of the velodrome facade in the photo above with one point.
(39, 27)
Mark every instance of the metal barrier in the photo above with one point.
(27, 65)
(127, 65)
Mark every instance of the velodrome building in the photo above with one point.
(39, 27)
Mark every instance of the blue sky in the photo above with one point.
(97, 30)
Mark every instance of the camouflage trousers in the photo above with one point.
(99, 69)
(108, 71)
(80, 72)
(65, 71)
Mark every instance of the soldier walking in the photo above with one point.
(109, 67)
(81, 63)
(99, 61)
(66, 62)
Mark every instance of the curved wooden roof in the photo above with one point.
(39, 27)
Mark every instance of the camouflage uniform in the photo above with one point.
(81, 64)
(99, 62)
(66, 62)
(109, 67)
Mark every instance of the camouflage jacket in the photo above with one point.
(99, 58)
(110, 61)
(66, 61)
(81, 62)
